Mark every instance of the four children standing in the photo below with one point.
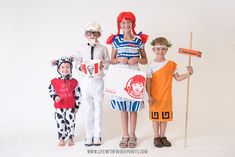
(127, 52)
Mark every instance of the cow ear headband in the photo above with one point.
(73, 58)
(54, 62)
(61, 60)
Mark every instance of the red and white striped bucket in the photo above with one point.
(91, 68)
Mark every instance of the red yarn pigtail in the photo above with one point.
(144, 37)
(133, 31)
(110, 39)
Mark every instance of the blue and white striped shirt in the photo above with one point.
(127, 48)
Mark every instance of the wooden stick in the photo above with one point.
(187, 99)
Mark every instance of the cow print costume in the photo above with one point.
(68, 89)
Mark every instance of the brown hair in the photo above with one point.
(161, 41)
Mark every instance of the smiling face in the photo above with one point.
(92, 36)
(137, 87)
(65, 69)
(126, 25)
(160, 51)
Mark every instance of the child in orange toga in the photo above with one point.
(159, 88)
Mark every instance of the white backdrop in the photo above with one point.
(33, 32)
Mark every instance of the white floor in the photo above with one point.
(36, 32)
(39, 139)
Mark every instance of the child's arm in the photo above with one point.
(106, 59)
(116, 60)
(53, 93)
(143, 60)
(113, 56)
(77, 95)
(181, 77)
(78, 60)
(78, 66)
(148, 87)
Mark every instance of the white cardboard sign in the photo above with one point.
(126, 83)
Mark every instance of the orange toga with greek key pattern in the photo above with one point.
(161, 92)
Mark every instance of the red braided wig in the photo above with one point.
(128, 16)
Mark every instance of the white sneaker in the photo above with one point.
(89, 141)
(97, 141)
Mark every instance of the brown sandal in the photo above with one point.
(165, 142)
(124, 142)
(132, 142)
(158, 142)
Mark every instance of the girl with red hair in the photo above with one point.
(127, 52)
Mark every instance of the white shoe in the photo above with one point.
(97, 141)
(89, 141)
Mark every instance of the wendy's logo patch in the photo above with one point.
(135, 86)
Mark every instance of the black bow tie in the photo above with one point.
(91, 45)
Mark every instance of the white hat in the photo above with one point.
(93, 26)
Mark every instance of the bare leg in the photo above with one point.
(133, 140)
(163, 126)
(156, 126)
(124, 121)
(133, 120)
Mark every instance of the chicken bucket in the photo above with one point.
(91, 68)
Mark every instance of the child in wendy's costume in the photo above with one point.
(65, 92)
(128, 52)
(160, 73)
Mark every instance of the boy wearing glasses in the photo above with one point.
(92, 88)
(159, 88)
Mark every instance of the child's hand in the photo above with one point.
(133, 61)
(190, 70)
(80, 68)
(150, 101)
(122, 60)
(76, 110)
(57, 99)
(101, 65)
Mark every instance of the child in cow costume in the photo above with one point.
(65, 92)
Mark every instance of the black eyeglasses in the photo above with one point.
(89, 33)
